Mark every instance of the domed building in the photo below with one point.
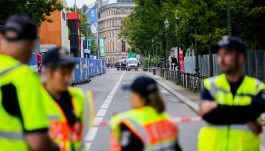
(111, 13)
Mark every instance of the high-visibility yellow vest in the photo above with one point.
(235, 137)
(27, 85)
(156, 131)
(66, 136)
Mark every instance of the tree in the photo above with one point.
(38, 9)
(203, 21)
(146, 24)
(248, 20)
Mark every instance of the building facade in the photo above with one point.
(55, 33)
(110, 16)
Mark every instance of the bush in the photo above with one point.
(145, 64)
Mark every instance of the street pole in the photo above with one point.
(156, 56)
(197, 69)
(164, 50)
(98, 48)
(178, 45)
(166, 43)
(229, 22)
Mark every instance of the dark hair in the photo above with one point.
(156, 101)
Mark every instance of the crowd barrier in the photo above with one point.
(84, 69)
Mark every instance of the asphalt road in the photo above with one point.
(111, 99)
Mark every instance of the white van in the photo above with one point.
(132, 63)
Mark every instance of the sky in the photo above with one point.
(79, 3)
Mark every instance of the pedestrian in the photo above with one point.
(23, 122)
(70, 110)
(146, 126)
(231, 103)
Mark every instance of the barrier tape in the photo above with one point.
(175, 119)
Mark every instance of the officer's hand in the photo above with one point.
(206, 107)
(255, 127)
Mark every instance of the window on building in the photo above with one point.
(123, 46)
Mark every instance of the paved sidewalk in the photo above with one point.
(185, 95)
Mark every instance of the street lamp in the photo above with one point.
(166, 24)
(152, 52)
(178, 45)
(197, 68)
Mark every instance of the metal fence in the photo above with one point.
(255, 67)
(188, 80)
(255, 64)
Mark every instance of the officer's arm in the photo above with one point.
(223, 114)
(40, 141)
(34, 117)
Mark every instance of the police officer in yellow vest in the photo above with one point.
(23, 121)
(69, 109)
(147, 126)
(231, 103)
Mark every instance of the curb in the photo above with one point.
(181, 97)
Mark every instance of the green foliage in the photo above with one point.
(38, 9)
(203, 21)
(146, 23)
(145, 64)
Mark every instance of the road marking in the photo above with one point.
(101, 113)
(92, 134)
(105, 105)
(98, 120)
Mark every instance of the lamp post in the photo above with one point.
(178, 45)
(152, 52)
(197, 69)
(229, 22)
(166, 24)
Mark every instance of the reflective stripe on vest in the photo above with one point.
(12, 135)
(151, 137)
(237, 99)
(9, 69)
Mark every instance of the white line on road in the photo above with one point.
(105, 105)
(98, 120)
(101, 113)
(92, 134)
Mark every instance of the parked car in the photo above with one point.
(117, 65)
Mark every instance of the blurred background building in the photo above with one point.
(110, 14)
(55, 33)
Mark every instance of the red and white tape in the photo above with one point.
(187, 119)
(175, 119)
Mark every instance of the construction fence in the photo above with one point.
(85, 68)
